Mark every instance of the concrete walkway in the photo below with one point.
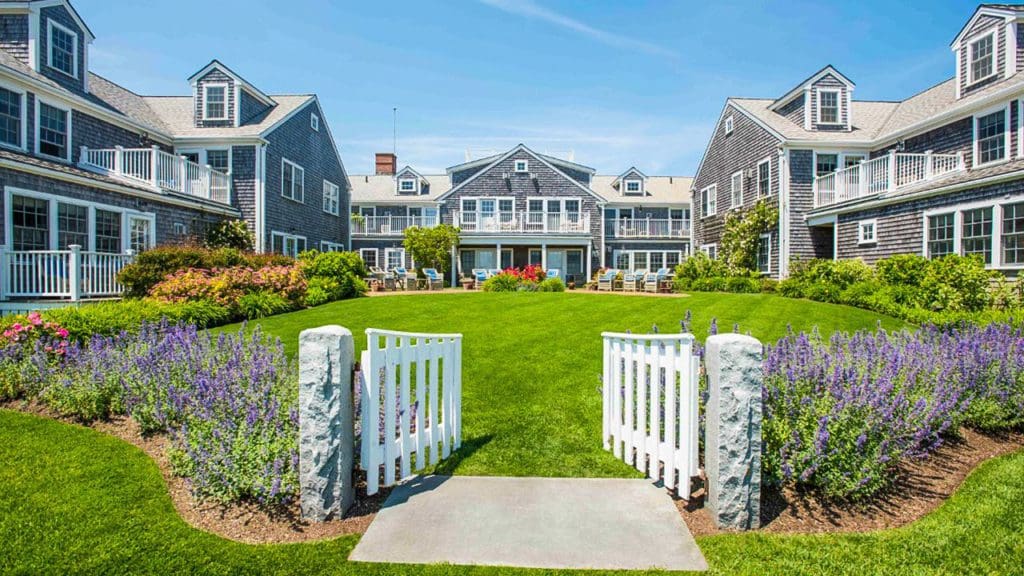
(531, 523)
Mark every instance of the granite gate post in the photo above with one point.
(326, 425)
(732, 442)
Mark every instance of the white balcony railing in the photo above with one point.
(883, 174)
(391, 225)
(156, 168)
(68, 274)
(647, 228)
(522, 223)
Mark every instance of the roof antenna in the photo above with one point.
(394, 135)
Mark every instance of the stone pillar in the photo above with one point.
(326, 423)
(732, 442)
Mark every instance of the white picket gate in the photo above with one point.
(411, 399)
(650, 405)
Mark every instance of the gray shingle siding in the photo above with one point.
(14, 35)
(380, 244)
(829, 82)
(215, 76)
(983, 26)
(250, 108)
(315, 153)
(462, 175)
(794, 110)
(243, 182)
(61, 16)
(805, 242)
(92, 132)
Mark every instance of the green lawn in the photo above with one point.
(532, 362)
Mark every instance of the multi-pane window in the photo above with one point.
(976, 233)
(711, 250)
(369, 256)
(506, 210)
(219, 160)
(468, 215)
(293, 181)
(63, 48)
(709, 201)
(981, 58)
(941, 228)
(729, 125)
(407, 185)
(825, 164)
(53, 131)
(140, 232)
(10, 117)
(108, 231)
(30, 223)
(215, 102)
(736, 196)
(72, 226)
(828, 107)
(287, 244)
(332, 197)
(867, 232)
(764, 254)
(394, 258)
(990, 137)
(1013, 234)
(633, 187)
(764, 178)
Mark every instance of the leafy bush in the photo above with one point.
(697, 267)
(333, 276)
(153, 266)
(231, 234)
(226, 286)
(551, 285)
(902, 269)
(501, 283)
(262, 304)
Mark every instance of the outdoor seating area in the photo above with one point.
(403, 279)
(641, 280)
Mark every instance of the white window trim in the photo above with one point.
(729, 125)
(639, 190)
(180, 229)
(376, 259)
(524, 170)
(204, 159)
(970, 60)
(631, 254)
(337, 197)
(23, 119)
(732, 191)
(287, 162)
(767, 161)
(415, 186)
(326, 246)
(861, 240)
(1008, 152)
(53, 199)
(387, 254)
(839, 106)
(368, 211)
(768, 237)
(285, 237)
(706, 249)
(67, 110)
(712, 192)
(206, 93)
(997, 227)
(314, 121)
(50, 25)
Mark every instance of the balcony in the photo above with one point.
(883, 174)
(391, 225)
(60, 274)
(566, 223)
(647, 228)
(158, 169)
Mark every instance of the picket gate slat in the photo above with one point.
(421, 416)
(650, 399)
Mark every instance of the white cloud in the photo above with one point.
(530, 9)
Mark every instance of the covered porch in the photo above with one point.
(571, 258)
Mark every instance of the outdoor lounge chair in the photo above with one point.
(606, 281)
(405, 278)
(493, 272)
(655, 280)
(479, 277)
(634, 281)
(552, 273)
(434, 279)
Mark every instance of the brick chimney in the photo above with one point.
(387, 164)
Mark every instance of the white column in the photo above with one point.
(498, 261)
(455, 272)
(589, 247)
(544, 256)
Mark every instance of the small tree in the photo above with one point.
(230, 234)
(743, 233)
(432, 247)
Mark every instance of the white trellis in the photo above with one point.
(411, 399)
(650, 405)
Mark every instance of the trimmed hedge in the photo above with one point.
(153, 266)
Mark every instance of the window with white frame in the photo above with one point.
(982, 58)
(711, 250)
(634, 187)
(287, 244)
(326, 246)
(219, 159)
(764, 178)
(293, 181)
(990, 137)
(140, 233)
(332, 198)
(522, 166)
(394, 258)
(709, 201)
(215, 102)
(407, 186)
(12, 122)
(468, 212)
(736, 190)
(30, 223)
(867, 231)
(825, 164)
(369, 256)
(180, 229)
(729, 125)
(314, 122)
(53, 129)
(764, 254)
(976, 233)
(63, 49)
(941, 231)
(1012, 241)
(828, 106)
(646, 259)
(992, 230)
(48, 222)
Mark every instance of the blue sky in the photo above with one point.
(617, 83)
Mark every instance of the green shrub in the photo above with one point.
(231, 234)
(153, 266)
(791, 288)
(262, 304)
(333, 276)
(837, 273)
(699, 266)
(957, 283)
(769, 285)
(742, 285)
(902, 269)
(712, 284)
(501, 283)
(551, 285)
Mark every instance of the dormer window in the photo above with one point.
(407, 186)
(522, 166)
(828, 107)
(982, 58)
(63, 53)
(215, 102)
(634, 187)
(314, 122)
(728, 125)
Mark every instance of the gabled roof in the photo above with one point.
(218, 65)
(658, 191)
(48, 3)
(409, 169)
(380, 189)
(868, 121)
(799, 88)
(178, 114)
(632, 169)
(997, 10)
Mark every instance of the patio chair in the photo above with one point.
(434, 279)
(654, 281)
(479, 277)
(606, 281)
(404, 278)
(634, 281)
(553, 273)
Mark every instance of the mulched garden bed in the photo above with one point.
(920, 488)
